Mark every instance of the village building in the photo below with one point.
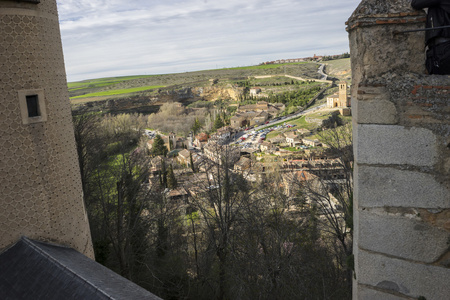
(177, 197)
(255, 91)
(311, 142)
(223, 135)
(256, 114)
(184, 157)
(259, 119)
(340, 99)
(243, 164)
(279, 139)
(173, 141)
(267, 147)
(200, 140)
(292, 139)
(220, 154)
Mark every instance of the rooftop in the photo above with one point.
(37, 270)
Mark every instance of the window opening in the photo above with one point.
(33, 106)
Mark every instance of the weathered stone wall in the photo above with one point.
(402, 157)
(40, 183)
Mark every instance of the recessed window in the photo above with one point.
(33, 106)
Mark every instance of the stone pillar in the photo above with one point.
(40, 183)
(401, 140)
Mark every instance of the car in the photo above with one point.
(267, 122)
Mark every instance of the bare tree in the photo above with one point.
(86, 128)
(332, 194)
(220, 204)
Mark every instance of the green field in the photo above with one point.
(101, 82)
(118, 92)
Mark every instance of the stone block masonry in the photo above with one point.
(389, 144)
(402, 157)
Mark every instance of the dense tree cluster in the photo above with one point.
(173, 117)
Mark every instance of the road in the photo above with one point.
(285, 119)
(254, 141)
(324, 76)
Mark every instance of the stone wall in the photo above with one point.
(402, 157)
(40, 183)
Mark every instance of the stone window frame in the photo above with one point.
(22, 94)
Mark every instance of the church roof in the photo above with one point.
(37, 270)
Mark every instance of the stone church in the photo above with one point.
(340, 99)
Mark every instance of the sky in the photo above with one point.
(107, 38)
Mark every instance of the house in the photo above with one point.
(178, 196)
(311, 143)
(254, 91)
(255, 114)
(292, 139)
(174, 142)
(219, 153)
(223, 135)
(259, 119)
(260, 106)
(239, 120)
(243, 164)
(279, 139)
(200, 140)
(275, 108)
(184, 157)
(267, 147)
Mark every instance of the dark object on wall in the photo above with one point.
(32, 1)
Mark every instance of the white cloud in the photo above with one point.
(118, 37)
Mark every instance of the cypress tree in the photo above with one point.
(171, 180)
(158, 146)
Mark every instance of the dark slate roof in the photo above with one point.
(37, 270)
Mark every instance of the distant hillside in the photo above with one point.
(339, 68)
(91, 90)
(131, 92)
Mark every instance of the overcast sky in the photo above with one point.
(104, 38)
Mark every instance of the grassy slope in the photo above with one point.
(118, 92)
(123, 87)
(101, 82)
(103, 87)
(339, 68)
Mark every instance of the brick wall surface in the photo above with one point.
(402, 157)
(40, 185)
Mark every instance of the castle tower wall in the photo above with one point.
(401, 140)
(40, 183)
